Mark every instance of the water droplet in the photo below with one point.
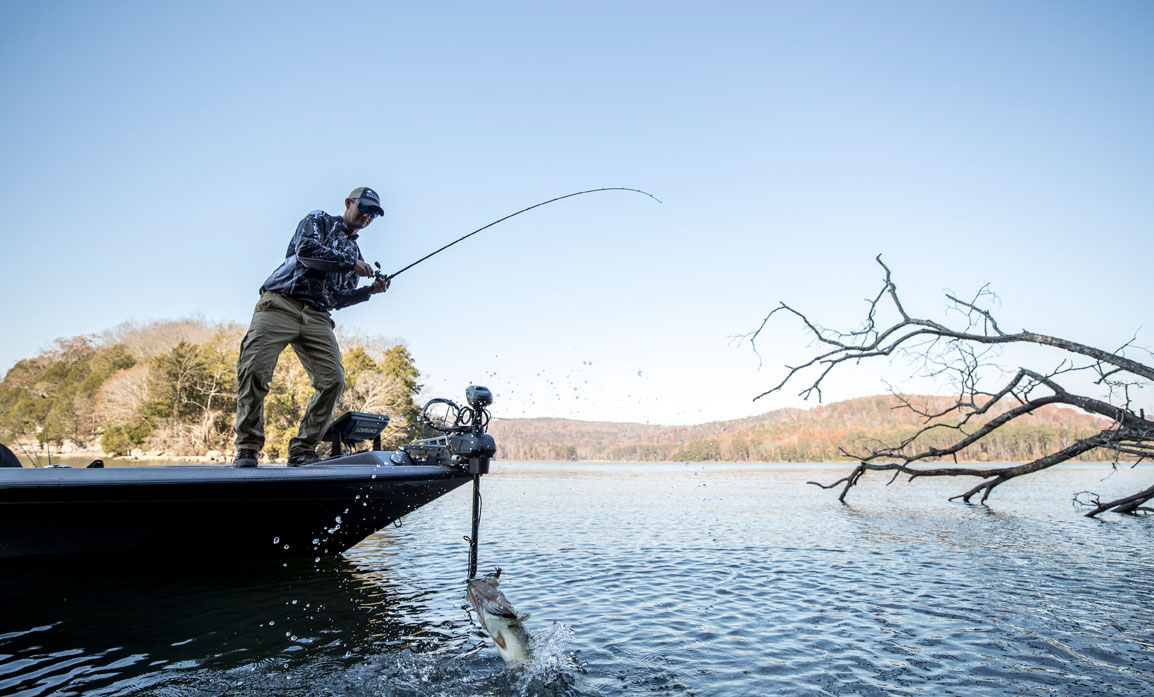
(276, 540)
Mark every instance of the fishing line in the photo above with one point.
(500, 220)
(16, 439)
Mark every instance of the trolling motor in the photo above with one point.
(465, 444)
(469, 446)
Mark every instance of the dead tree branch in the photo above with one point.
(962, 353)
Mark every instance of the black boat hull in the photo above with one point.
(212, 511)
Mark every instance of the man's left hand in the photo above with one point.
(380, 285)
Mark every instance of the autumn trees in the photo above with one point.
(171, 387)
(54, 394)
(385, 384)
(988, 395)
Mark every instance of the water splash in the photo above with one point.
(553, 665)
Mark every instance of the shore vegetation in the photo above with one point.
(168, 388)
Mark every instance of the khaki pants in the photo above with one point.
(277, 322)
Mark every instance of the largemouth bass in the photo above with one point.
(499, 619)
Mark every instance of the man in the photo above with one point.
(319, 274)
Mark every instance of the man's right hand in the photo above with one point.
(363, 269)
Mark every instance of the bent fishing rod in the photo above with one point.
(391, 276)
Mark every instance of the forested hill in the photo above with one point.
(784, 435)
(168, 389)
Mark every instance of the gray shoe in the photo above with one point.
(246, 457)
(308, 457)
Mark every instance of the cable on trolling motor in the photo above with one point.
(474, 420)
(473, 540)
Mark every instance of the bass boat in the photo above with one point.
(223, 511)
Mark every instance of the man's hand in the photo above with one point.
(380, 285)
(363, 269)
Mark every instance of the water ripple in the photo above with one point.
(640, 580)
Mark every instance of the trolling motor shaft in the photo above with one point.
(474, 539)
(478, 447)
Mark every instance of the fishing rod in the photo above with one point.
(523, 210)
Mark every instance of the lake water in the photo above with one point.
(681, 579)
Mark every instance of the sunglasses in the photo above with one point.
(373, 213)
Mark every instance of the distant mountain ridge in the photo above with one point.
(783, 435)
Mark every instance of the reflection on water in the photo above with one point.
(87, 627)
(668, 579)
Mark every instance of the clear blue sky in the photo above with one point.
(157, 157)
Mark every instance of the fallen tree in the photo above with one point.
(964, 352)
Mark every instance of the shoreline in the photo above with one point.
(82, 459)
(23, 452)
(216, 457)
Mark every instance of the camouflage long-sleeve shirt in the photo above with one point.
(318, 266)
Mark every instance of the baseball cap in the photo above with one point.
(367, 198)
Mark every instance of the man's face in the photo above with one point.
(355, 217)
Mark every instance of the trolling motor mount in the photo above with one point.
(465, 442)
(475, 447)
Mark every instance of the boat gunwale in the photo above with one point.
(164, 476)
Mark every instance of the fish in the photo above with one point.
(499, 619)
